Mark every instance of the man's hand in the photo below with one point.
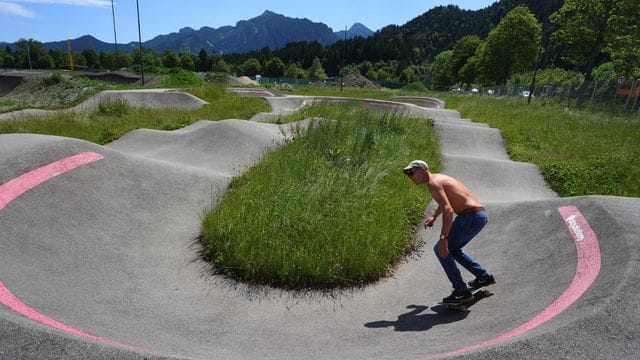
(443, 248)
(429, 222)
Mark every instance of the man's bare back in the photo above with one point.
(458, 195)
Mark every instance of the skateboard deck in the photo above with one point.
(479, 293)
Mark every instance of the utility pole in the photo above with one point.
(29, 55)
(140, 43)
(70, 55)
(115, 37)
(344, 54)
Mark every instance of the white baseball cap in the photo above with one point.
(416, 164)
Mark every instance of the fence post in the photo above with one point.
(569, 90)
(633, 85)
(595, 86)
(635, 100)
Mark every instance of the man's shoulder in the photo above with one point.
(439, 178)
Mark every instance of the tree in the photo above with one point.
(316, 71)
(274, 67)
(170, 59)
(31, 52)
(441, 70)
(59, 59)
(121, 60)
(511, 46)
(295, 71)
(203, 61)
(588, 28)
(463, 50)
(218, 64)
(91, 57)
(150, 58)
(251, 67)
(605, 72)
(186, 62)
(6, 59)
(407, 76)
(45, 62)
(469, 72)
(108, 60)
(350, 69)
(624, 42)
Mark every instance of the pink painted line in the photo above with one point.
(586, 272)
(13, 303)
(12, 189)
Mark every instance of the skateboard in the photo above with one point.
(478, 293)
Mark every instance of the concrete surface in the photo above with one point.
(148, 98)
(110, 249)
(9, 81)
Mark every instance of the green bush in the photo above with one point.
(116, 108)
(416, 86)
(52, 79)
(181, 78)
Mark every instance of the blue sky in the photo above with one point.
(55, 20)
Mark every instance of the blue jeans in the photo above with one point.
(463, 229)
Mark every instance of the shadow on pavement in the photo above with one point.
(415, 320)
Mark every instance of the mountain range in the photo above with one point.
(431, 32)
(266, 30)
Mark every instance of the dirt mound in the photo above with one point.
(242, 80)
(358, 81)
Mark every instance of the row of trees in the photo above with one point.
(32, 55)
(581, 35)
(586, 35)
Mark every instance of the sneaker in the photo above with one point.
(483, 281)
(458, 297)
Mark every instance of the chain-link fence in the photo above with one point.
(331, 81)
(608, 93)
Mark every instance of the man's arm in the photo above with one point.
(429, 222)
(440, 196)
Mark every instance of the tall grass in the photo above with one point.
(110, 120)
(330, 209)
(580, 151)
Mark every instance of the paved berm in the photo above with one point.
(102, 261)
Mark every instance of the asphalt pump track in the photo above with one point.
(99, 258)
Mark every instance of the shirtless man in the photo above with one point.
(453, 197)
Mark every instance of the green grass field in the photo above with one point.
(589, 151)
(111, 120)
(580, 151)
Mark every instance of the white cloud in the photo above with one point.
(15, 9)
(92, 3)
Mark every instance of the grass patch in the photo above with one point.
(12, 105)
(580, 151)
(330, 209)
(110, 120)
(308, 90)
